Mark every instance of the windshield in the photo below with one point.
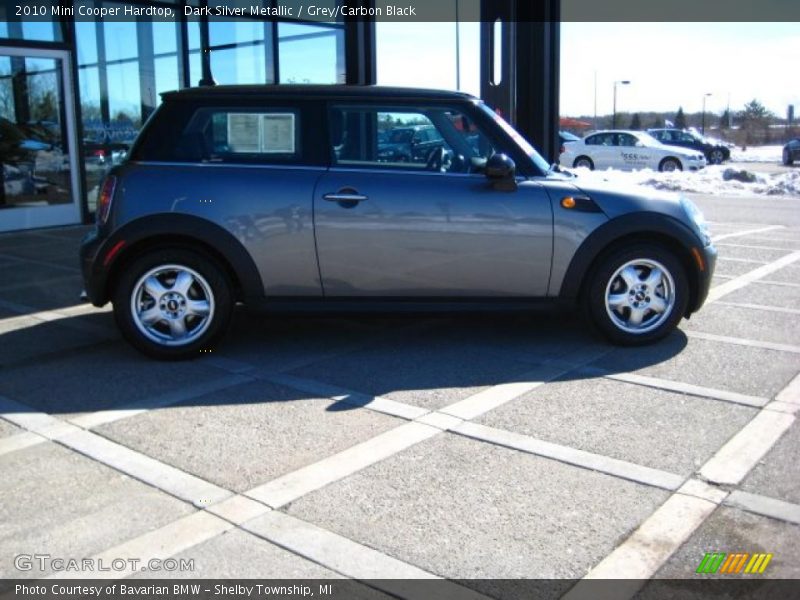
(521, 141)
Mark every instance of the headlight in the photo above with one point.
(695, 215)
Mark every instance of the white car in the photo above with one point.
(620, 149)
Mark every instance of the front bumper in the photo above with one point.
(94, 279)
(704, 276)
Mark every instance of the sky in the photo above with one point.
(669, 65)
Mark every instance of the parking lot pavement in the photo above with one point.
(465, 447)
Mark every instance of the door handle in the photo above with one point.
(346, 197)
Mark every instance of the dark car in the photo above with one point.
(409, 144)
(276, 197)
(791, 152)
(715, 152)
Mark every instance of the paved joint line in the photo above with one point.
(703, 490)
(743, 260)
(680, 387)
(713, 337)
(648, 548)
(566, 454)
(726, 236)
(757, 247)
(289, 487)
(765, 506)
(764, 307)
(742, 452)
(41, 263)
(727, 287)
(791, 393)
(780, 283)
(331, 392)
(349, 558)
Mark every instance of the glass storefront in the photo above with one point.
(120, 70)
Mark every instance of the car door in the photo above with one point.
(600, 148)
(431, 227)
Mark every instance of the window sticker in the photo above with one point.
(277, 133)
(262, 133)
(243, 132)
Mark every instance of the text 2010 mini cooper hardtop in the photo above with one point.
(279, 197)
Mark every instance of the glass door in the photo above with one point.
(39, 182)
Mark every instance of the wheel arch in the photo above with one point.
(632, 228)
(177, 231)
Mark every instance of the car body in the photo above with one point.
(624, 149)
(276, 197)
(791, 152)
(716, 153)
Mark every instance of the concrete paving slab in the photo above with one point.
(776, 474)
(731, 530)
(7, 429)
(247, 435)
(278, 343)
(778, 241)
(465, 509)
(789, 274)
(730, 249)
(75, 232)
(20, 273)
(61, 252)
(423, 370)
(767, 294)
(97, 378)
(734, 268)
(748, 323)
(240, 555)
(55, 501)
(655, 428)
(714, 364)
(51, 294)
(27, 339)
(19, 239)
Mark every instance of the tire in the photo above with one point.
(787, 157)
(173, 303)
(716, 157)
(669, 165)
(583, 161)
(620, 298)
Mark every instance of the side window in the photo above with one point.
(625, 139)
(687, 137)
(241, 135)
(425, 139)
(601, 139)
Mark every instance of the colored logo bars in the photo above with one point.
(720, 562)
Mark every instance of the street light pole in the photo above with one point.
(614, 114)
(703, 125)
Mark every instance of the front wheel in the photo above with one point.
(668, 165)
(172, 303)
(637, 295)
(787, 157)
(583, 161)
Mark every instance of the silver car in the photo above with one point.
(278, 197)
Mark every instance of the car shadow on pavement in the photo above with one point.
(80, 364)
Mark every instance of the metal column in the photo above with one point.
(526, 88)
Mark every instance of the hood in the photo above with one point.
(616, 198)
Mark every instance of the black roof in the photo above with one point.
(314, 91)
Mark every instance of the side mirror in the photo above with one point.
(500, 170)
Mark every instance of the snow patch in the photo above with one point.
(707, 181)
(757, 154)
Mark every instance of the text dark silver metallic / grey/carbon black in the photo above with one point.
(285, 198)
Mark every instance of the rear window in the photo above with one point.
(227, 135)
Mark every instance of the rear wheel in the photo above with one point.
(668, 165)
(637, 294)
(715, 157)
(173, 303)
(583, 161)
